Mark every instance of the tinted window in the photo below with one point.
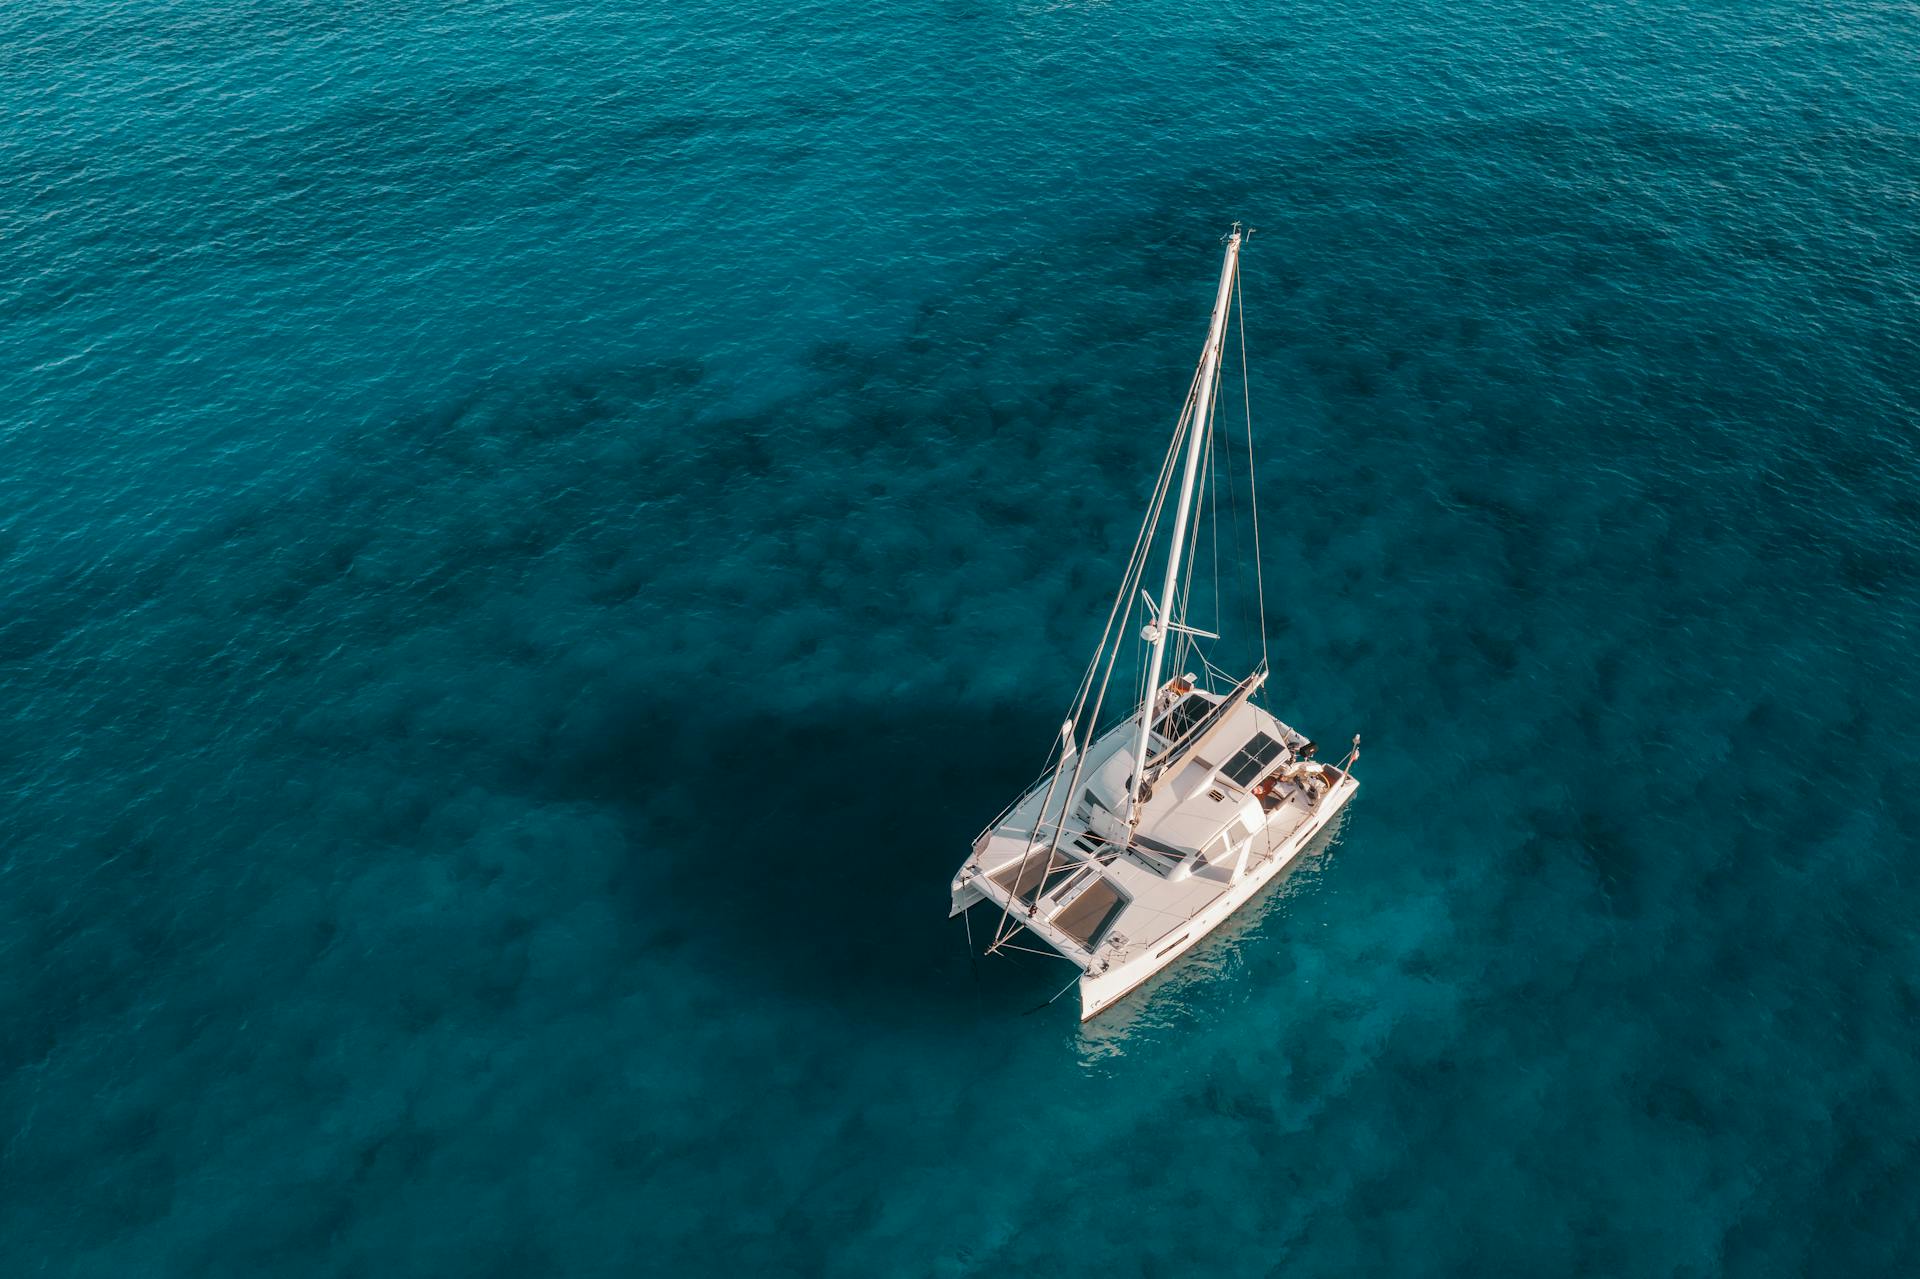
(1251, 758)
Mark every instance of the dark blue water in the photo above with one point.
(532, 535)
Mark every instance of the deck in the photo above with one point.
(1101, 897)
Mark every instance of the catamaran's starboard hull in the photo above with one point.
(1101, 991)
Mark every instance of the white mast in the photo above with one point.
(1156, 630)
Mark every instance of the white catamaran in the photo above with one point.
(1141, 837)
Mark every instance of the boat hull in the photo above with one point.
(1101, 990)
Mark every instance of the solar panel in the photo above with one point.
(1250, 759)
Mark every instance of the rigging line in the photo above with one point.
(1216, 671)
(1136, 564)
(1138, 567)
(1142, 545)
(973, 963)
(1233, 499)
(1213, 484)
(1253, 496)
(1139, 677)
(1188, 644)
(1122, 607)
(994, 946)
(1129, 587)
(1182, 642)
(1028, 950)
(1168, 607)
(1063, 990)
(1213, 410)
(1135, 567)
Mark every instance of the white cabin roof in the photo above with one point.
(1098, 889)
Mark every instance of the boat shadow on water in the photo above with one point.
(809, 854)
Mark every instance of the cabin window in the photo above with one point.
(1211, 854)
(1254, 756)
(1223, 847)
(1179, 721)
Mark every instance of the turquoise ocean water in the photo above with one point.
(532, 535)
